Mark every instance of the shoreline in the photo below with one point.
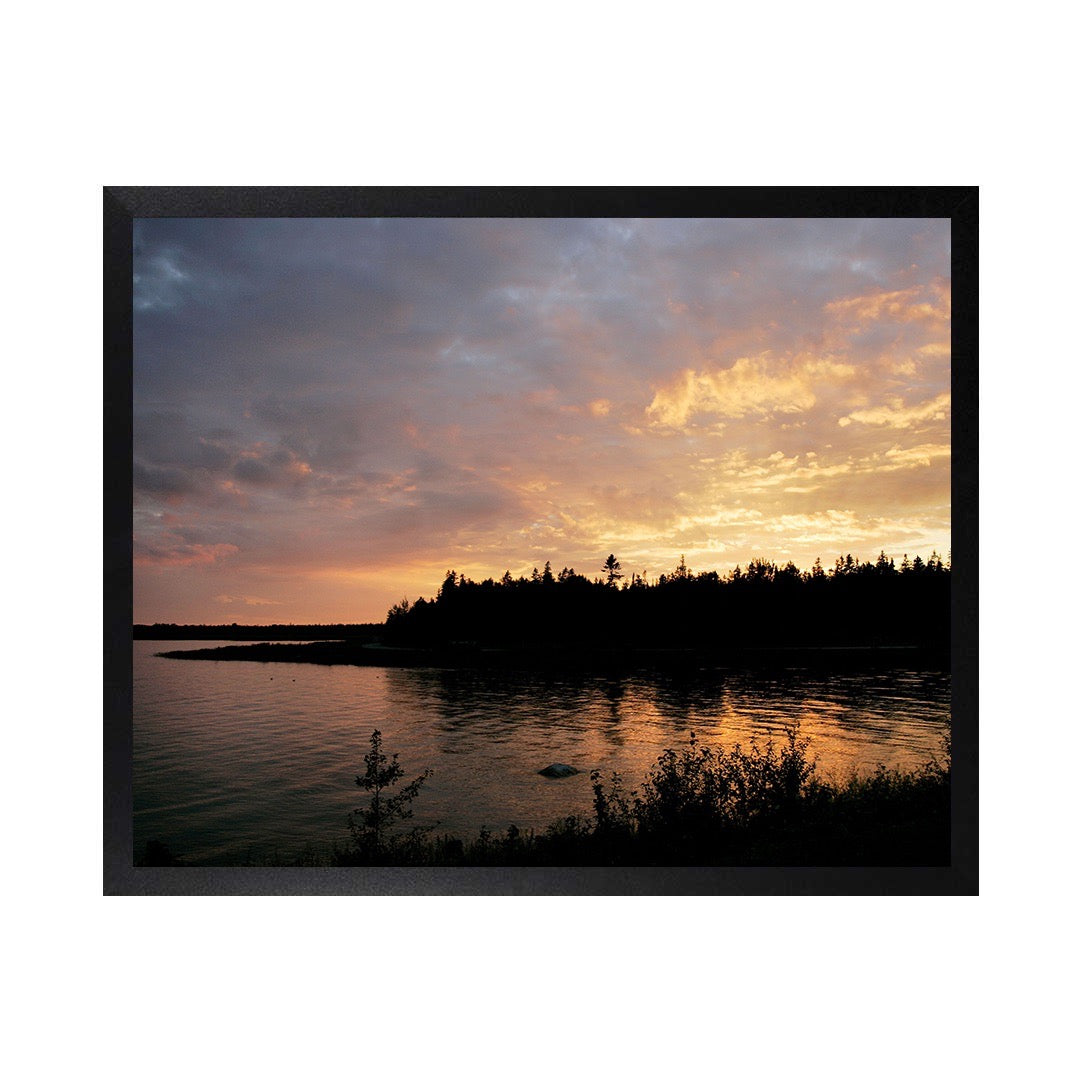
(570, 658)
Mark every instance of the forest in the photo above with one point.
(852, 604)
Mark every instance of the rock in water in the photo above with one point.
(558, 771)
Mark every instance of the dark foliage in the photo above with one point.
(763, 805)
(764, 605)
(371, 826)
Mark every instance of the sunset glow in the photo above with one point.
(330, 414)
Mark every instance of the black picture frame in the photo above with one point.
(122, 205)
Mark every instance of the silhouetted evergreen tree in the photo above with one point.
(855, 604)
(613, 569)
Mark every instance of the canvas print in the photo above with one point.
(553, 541)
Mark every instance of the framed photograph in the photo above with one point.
(591, 541)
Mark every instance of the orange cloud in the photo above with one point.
(936, 349)
(901, 305)
(751, 386)
(897, 415)
(250, 601)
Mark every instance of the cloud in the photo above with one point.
(168, 481)
(325, 402)
(263, 466)
(895, 414)
(158, 281)
(250, 601)
(181, 554)
(936, 349)
(918, 304)
(908, 457)
(751, 386)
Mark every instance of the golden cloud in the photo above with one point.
(909, 457)
(936, 349)
(895, 414)
(901, 305)
(751, 386)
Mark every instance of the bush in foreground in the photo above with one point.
(707, 806)
(371, 825)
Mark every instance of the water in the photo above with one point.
(246, 762)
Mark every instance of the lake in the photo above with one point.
(241, 762)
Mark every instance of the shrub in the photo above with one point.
(703, 788)
(370, 826)
(701, 805)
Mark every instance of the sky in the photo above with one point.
(330, 414)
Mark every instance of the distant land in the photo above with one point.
(861, 612)
(361, 632)
(624, 659)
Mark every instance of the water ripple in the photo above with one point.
(245, 761)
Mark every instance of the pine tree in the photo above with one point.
(613, 568)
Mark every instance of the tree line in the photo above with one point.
(853, 602)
